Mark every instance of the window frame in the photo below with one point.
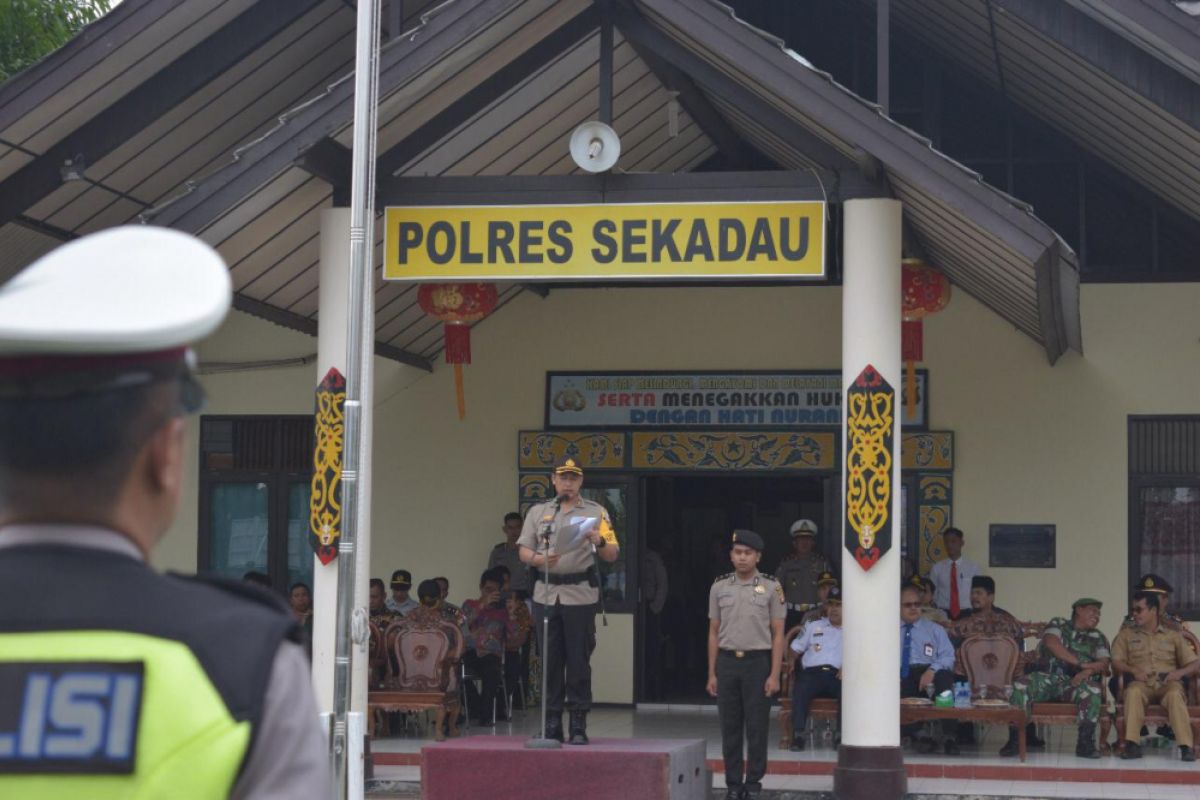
(1151, 480)
(278, 481)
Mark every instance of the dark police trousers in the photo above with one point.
(572, 640)
(742, 703)
(482, 704)
(810, 683)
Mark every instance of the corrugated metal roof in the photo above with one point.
(270, 238)
(1067, 88)
(988, 243)
(293, 93)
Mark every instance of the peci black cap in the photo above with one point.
(748, 538)
(568, 464)
(984, 582)
(401, 579)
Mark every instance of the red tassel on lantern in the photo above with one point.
(458, 305)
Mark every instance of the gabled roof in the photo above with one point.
(1120, 77)
(494, 87)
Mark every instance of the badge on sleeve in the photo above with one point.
(73, 717)
(928, 650)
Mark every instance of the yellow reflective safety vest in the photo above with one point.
(119, 682)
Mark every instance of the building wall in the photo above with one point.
(1034, 443)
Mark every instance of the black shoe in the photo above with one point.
(1032, 740)
(1166, 732)
(1132, 750)
(1186, 753)
(1085, 743)
(951, 747)
(734, 793)
(750, 793)
(554, 727)
(925, 746)
(1011, 747)
(578, 728)
(797, 744)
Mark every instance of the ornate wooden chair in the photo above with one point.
(423, 650)
(991, 663)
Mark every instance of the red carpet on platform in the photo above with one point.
(607, 769)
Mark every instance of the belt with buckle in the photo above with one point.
(745, 653)
(800, 606)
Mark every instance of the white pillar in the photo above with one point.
(871, 610)
(332, 306)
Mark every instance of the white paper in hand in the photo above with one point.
(575, 533)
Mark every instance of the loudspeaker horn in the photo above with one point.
(595, 147)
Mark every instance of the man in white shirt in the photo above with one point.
(819, 668)
(952, 575)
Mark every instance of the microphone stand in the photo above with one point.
(541, 741)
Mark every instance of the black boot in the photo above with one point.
(554, 726)
(1011, 747)
(578, 727)
(1085, 745)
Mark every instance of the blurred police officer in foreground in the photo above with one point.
(745, 653)
(157, 686)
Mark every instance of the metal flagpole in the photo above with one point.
(346, 749)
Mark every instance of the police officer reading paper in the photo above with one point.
(156, 686)
(568, 533)
(745, 651)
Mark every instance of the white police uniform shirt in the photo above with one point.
(401, 608)
(820, 645)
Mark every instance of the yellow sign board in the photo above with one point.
(605, 242)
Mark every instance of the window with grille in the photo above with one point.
(255, 476)
(1164, 506)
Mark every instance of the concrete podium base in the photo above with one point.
(499, 767)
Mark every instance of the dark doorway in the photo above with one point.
(688, 523)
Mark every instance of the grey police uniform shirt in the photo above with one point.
(577, 559)
(820, 644)
(745, 610)
(290, 758)
(511, 558)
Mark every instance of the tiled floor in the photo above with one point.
(1056, 772)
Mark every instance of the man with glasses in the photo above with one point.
(171, 686)
(1157, 659)
(926, 659)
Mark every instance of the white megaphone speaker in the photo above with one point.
(595, 147)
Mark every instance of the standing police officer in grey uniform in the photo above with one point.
(570, 598)
(158, 686)
(745, 653)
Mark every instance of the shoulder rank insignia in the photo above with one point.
(720, 578)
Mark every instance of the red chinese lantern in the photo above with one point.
(925, 291)
(458, 305)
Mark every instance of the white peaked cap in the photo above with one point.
(131, 289)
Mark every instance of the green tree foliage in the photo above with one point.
(30, 29)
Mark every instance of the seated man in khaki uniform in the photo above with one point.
(1157, 660)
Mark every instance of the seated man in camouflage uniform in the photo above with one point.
(1076, 656)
